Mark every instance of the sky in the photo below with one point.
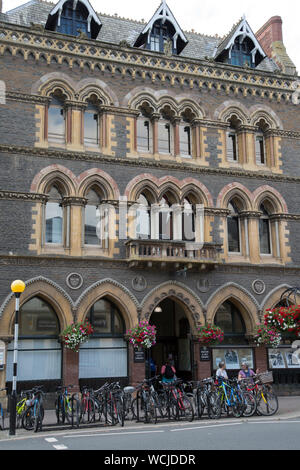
(209, 17)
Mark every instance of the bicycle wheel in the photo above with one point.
(87, 410)
(201, 399)
(59, 411)
(249, 404)
(38, 416)
(120, 411)
(28, 418)
(151, 414)
(185, 408)
(238, 405)
(140, 412)
(214, 405)
(267, 403)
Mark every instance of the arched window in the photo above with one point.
(260, 148)
(73, 21)
(56, 120)
(188, 220)
(144, 135)
(161, 36)
(165, 219)
(265, 231)
(165, 137)
(91, 125)
(241, 52)
(92, 220)
(230, 319)
(143, 218)
(233, 228)
(105, 354)
(39, 352)
(54, 217)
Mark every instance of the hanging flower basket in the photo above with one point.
(210, 335)
(143, 335)
(284, 319)
(76, 334)
(265, 335)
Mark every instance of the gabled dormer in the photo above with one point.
(240, 47)
(162, 33)
(74, 17)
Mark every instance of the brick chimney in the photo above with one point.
(271, 39)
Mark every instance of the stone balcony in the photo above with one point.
(172, 254)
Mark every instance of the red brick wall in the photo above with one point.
(71, 368)
(269, 33)
(261, 358)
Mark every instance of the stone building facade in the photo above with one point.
(116, 138)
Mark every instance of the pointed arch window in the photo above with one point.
(265, 231)
(144, 135)
(165, 137)
(91, 125)
(92, 219)
(230, 319)
(56, 120)
(233, 228)
(54, 217)
(260, 148)
(143, 219)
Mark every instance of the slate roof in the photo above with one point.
(115, 29)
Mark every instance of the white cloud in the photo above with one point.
(209, 17)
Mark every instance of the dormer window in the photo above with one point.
(74, 17)
(162, 33)
(241, 53)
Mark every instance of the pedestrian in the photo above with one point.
(245, 372)
(221, 373)
(168, 372)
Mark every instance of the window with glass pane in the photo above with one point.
(165, 220)
(185, 141)
(264, 232)
(260, 150)
(91, 126)
(143, 219)
(188, 221)
(144, 135)
(73, 20)
(232, 146)
(56, 121)
(233, 229)
(230, 320)
(92, 223)
(106, 319)
(164, 137)
(54, 218)
(39, 356)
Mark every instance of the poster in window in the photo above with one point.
(233, 357)
(292, 360)
(276, 359)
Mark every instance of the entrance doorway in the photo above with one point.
(173, 338)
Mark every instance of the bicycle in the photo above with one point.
(34, 413)
(87, 407)
(67, 407)
(25, 401)
(2, 414)
(267, 401)
(178, 404)
(229, 398)
(143, 405)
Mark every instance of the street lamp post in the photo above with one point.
(17, 288)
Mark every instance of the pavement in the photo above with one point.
(289, 408)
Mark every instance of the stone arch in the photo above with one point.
(230, 108)
(46, 289)
(238, 295)
(267, 192)
(104, 93)
(51, 174)
(258, 112)
(95, 175)
(234, 189)
(273, 297)
(114, 291)
(176, 291)
(50, 82)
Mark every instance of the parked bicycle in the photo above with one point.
(261, 389)
(34, 413)
(67, 406)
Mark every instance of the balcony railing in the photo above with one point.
(163, 252)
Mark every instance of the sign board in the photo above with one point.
(139, 355)
(205, 354)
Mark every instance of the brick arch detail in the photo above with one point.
(114, 291)
(275, 196)
(51, 172)
(108, 182)
(191, 303)
(137, 182)
(273, 297)
(247, 304)
(49, 291)
(232, 189)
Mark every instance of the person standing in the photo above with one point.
(221, 372)
(168, 372)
